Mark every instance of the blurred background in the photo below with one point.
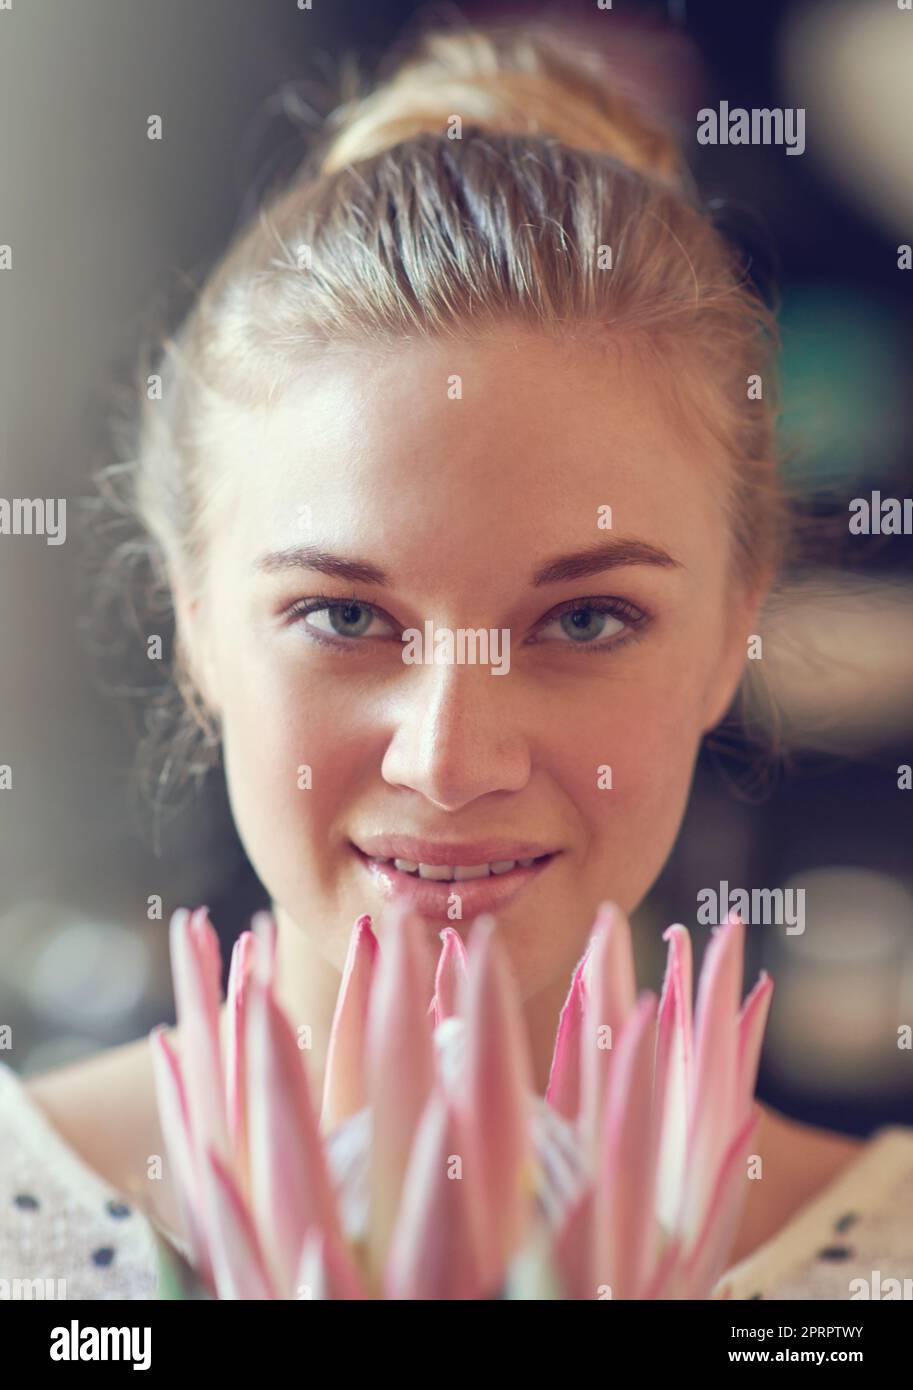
(110, 234)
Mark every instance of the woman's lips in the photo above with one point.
(432, 898)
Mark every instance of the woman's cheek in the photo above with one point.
(285, 768)
(631, 782)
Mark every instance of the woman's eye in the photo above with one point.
(345, 619)
(592, 624)
(595, 623)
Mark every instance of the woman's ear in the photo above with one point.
(742, 640)
(724, 683)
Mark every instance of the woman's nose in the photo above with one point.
(454, 737)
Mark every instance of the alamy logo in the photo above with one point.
(74, 1343)
(757, 907)
(764, 125)
(881, 516)
(879, 1288)
(468, 646)
(34, 516)
(33, 1288)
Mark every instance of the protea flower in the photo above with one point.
(431, 1169)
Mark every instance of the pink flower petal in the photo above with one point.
(563, 1090)
(240, 1270)
(196, 971)
(674, 1064)
(623, 1219)
(715, 1113)
(572, 1248)
(175, 1123)
(449, 980)
(498, 1095)
(665, 1280)
(242, 958)
(751, 1024)
(708, 1260)
(344, 1088)
(290, 1186)
(436, 1248)
(399, 1068)
(610, 997)
(263, 924)
(326, 1270)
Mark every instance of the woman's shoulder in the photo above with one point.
(64, 1224)
(100, 1105)
(852, 1236)
(791, 1163)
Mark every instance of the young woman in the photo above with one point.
(483, 365)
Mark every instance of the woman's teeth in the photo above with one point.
(457, 872)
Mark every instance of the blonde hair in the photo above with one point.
(479, 185)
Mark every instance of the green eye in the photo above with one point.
(585, 624)
(349, 619)
(597, 623)
(326, 620)
(594, 624)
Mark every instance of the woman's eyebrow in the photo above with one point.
(605, 555)
(577, 565)
(312, 557)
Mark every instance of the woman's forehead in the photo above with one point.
(467, 429)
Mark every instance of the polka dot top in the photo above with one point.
(853, 1241)
(60, 1222)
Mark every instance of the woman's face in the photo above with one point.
(465, 474)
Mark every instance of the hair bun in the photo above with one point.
(507, 79)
